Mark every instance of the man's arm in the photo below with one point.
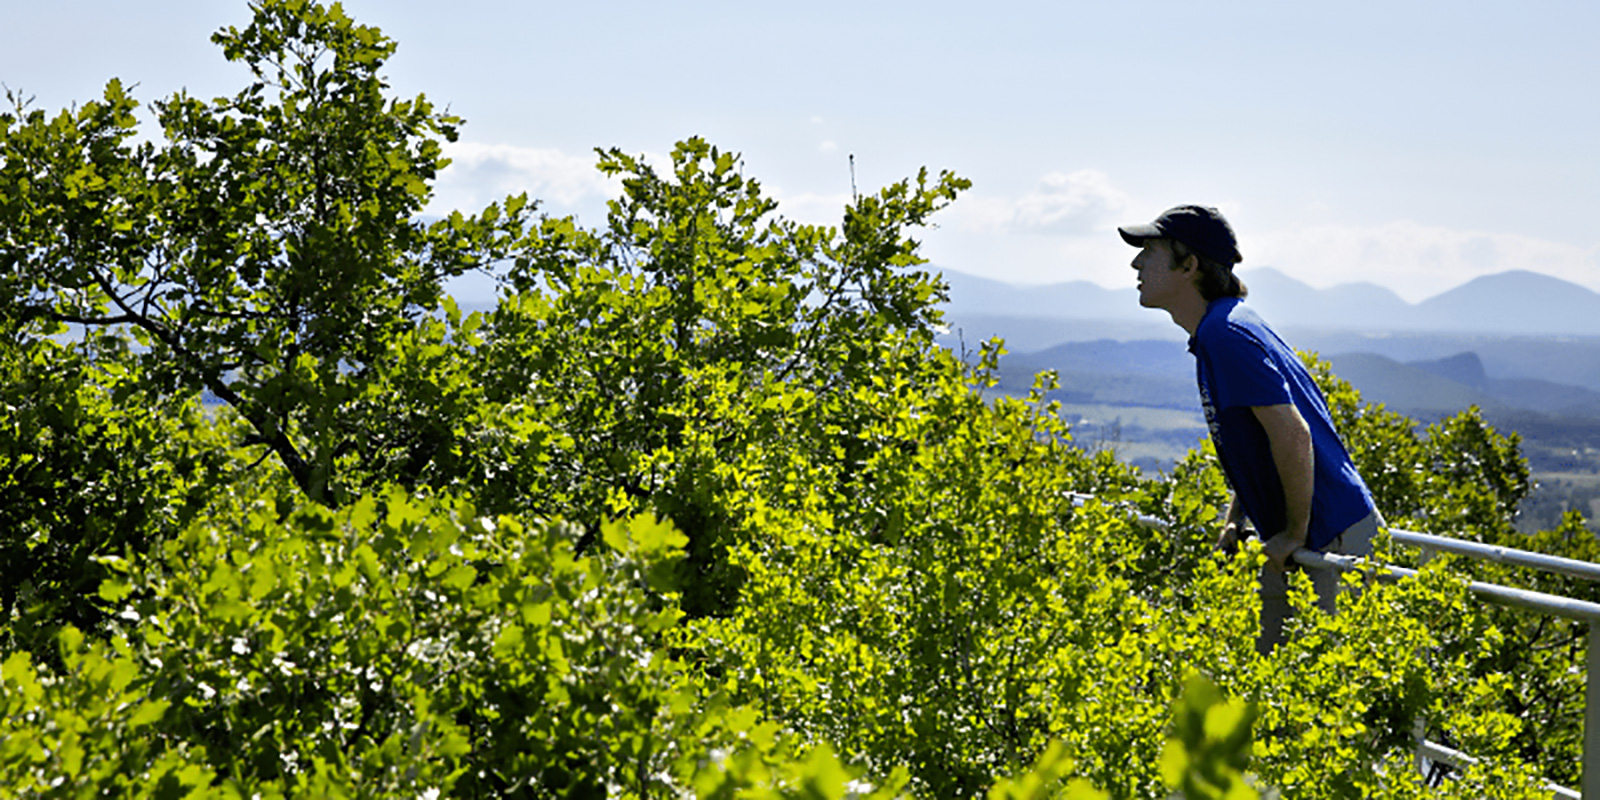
(1290, 440)
(1229, 537)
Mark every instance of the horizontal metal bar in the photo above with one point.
(1456, 759)
(1500, 555)
(1079, 499)
(1568, 607)
(1504, 595)
(1495, 593)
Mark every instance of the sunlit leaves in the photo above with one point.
(266, 250)
(397, 643)
(804, 554)
(1207, 758)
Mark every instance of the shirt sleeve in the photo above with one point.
(1243, 371)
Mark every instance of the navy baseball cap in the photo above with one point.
(1201, 228)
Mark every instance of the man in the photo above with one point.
(1290, 473)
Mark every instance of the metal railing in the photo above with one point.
(1455, 758)
(1570, 608)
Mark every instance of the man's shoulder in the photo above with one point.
(1230, 322)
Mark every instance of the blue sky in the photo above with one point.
(1415, 145)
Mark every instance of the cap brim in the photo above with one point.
(1137, 235)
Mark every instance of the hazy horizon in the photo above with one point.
(1245, 274)
(1377, 141)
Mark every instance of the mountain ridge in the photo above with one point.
(1161, 374)
(1517, 302)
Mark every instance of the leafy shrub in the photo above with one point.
(428, 553)
(90, 466)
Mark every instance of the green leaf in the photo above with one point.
(148, 713)
(460, 576)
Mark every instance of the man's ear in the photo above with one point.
(1190, 263)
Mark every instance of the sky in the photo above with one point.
(1415, 145)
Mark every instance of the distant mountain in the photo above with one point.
(1407, 388)
(1355, 306)
(1161, 374)
(1514, 302)
(973, 295)
(1149, 358)
(1464, 368)
(1569, 360)
(1032, 334)
(1432, 387)
(1509, 303)
(1549, 397)
(1138, 373)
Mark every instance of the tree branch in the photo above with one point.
(76, 319)
(272, 434)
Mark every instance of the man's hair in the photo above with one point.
(1216, 279)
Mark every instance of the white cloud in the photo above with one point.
(811, 208)
(1416, 261)
(828, 146)
(1065, 230)
(1080, 202)
(1101, 258)
(1062, 230)
(480, 174)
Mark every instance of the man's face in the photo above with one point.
(1159, 283)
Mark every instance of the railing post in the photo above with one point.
(1420, 730)
(1591, 716)
(1568, 607)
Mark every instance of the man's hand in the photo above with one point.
(1280, 549)
(1228, 539)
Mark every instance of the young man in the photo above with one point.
(1290, 473)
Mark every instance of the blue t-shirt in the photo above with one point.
(1240, 363)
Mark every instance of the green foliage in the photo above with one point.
(85, 473)
(1463, 479)
(699, 509)
(1207, 758)
(632, 363)
(88, 730)
(1456, 477)
(265, 251)
(397, 645)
